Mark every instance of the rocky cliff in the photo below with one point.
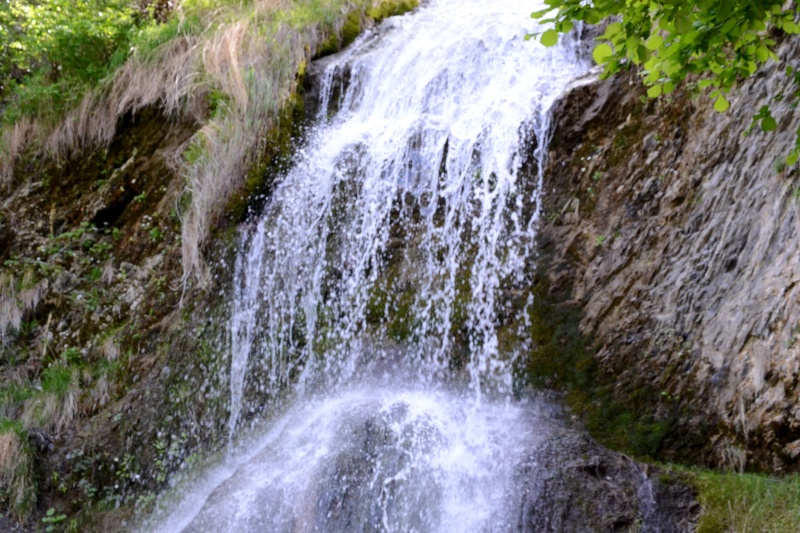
(676, 239)
(669, 241)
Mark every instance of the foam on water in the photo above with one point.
(372, 459)
(424, 130)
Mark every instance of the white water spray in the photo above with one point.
(425, 132)
(438, 116)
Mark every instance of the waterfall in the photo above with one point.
(370, 291)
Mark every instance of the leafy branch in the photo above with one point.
(722, 40)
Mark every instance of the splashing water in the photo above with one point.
(408, 214)
(372, 458)
(434, 125)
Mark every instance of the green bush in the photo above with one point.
(51, 50)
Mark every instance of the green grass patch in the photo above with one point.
(11, 426)
(744, 503)
(57, 379)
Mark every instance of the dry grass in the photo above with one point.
(16, 473)
(10, 309)
(32, 291)
(244, 60)
(16, 302)
(15, 140)
(51, 412)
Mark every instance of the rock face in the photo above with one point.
(385, 469)
(573, 484)
(6, 235)
(678, 238)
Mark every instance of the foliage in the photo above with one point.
(53, 51)
(51, 519)
(744, 502)
(722, 40)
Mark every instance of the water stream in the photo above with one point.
(370, 292)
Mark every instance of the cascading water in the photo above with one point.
(371, 290)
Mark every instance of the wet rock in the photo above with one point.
(572, 484)
(65, 282)
(385, 467)
(6, 235)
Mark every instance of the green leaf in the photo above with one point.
(565, 26)
(593, 16)
(654, 42)
(602, 53)
(683, 24)
(612, 29)
(769, 124)
(549, 38)
(722, 104)
(655, 91)
(541, 13)
(793, 157)
(791, 27)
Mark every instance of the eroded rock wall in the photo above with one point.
(678, 238)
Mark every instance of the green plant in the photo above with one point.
(56, 380)
(51, 519)
(100, 250)
(721, 39)
(27, 327)
(53, 50)
(744, 502)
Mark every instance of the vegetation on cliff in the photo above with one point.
(228, 65)
(721, 40)
(116, 168)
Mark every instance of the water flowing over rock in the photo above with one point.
(370, 293)
(426, 148)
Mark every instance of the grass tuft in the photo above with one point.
(17, 482)
(743, 503)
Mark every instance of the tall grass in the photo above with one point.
(745, 503)
(735, 502)
(17, 484)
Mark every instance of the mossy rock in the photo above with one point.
(390, 8)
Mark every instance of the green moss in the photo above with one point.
(389, 8)
(390, 306)
(354, 24)
(562, 358)
(277, 154)
(351, 29)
